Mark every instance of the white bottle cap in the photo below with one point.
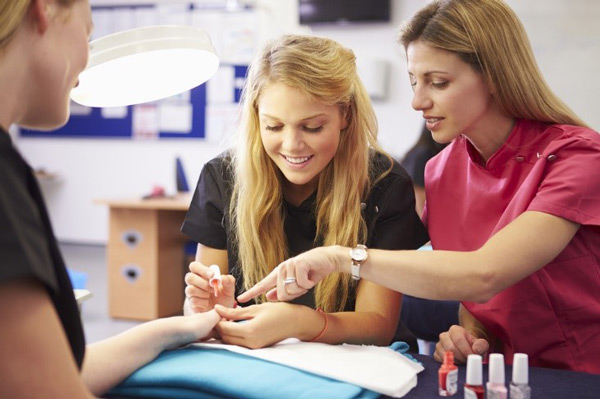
(496, 368)
(216, 273)
(474, 370)
(520, 369)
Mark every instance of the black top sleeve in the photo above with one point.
(28, 248)
(205, 220)
(23, 246)
(390, 212)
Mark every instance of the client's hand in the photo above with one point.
(258, 326)
(461, 342)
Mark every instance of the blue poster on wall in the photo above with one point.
(180, 116)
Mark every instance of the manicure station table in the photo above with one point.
(544, 383)
(191, 373)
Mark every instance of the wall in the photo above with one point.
(565, 35)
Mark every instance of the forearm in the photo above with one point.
(419, 273)
(362, 328)
(110, 361)
(307, 324)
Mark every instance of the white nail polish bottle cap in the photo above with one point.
(496, 368)
(474, 370)
(520, 369)
(216, 273)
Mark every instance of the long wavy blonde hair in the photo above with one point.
(326, 72)
(489, 36)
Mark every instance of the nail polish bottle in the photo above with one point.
(474, 383)
(448, 376)
(496, 389)
(519, 386)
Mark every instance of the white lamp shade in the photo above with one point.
(145, 64)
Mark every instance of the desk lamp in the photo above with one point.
(145, 64)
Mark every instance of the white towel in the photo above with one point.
(377, 368)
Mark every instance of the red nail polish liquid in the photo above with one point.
(448, 376)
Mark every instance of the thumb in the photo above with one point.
(271, 295)
(480, 346)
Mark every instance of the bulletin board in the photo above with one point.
(181, 116)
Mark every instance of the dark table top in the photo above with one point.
(544, 383)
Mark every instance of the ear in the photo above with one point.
(345, 113)
(40, 14)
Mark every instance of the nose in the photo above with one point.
(292, 140)
(421, 99)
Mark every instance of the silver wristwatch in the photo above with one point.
(358, 254)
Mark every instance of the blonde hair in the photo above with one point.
(12, 13)
(489, 36)
(326, 72)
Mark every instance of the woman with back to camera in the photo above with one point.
(43, 48)
(306, 171)
(512, 204)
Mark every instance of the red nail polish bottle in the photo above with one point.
(448, 376)
(474, 383)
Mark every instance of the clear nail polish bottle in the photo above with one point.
(519, 386)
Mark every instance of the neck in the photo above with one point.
(488, 140)
(297, 194)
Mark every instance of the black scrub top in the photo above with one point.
(389, 212)
(28, 248)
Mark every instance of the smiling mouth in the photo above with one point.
(297, 160)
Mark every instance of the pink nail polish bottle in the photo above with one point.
(496, 389)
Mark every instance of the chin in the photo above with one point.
(46, 124)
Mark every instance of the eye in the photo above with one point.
(313, 129)
(273, 128)
(413, 80)
(439, 85)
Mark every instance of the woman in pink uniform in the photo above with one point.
(513, 203)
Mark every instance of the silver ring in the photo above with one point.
(289, 280)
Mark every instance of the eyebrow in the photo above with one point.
(432, 72)
(304, 119)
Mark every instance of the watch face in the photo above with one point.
(358, 254)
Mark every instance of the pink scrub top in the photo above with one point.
(552, 315)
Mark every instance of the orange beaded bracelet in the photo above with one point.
(319, 335)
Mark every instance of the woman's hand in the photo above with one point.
(307, 269)
(258, 326)
(196, 327)
(201, 296)
(462, 343)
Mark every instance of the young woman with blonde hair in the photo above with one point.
(306, 171)
(512, 203)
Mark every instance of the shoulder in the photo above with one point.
(384, 165)
(389, 178)
(221, 165)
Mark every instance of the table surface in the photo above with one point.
(177, 202)
(544, 383)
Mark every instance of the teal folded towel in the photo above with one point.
(201, 373)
